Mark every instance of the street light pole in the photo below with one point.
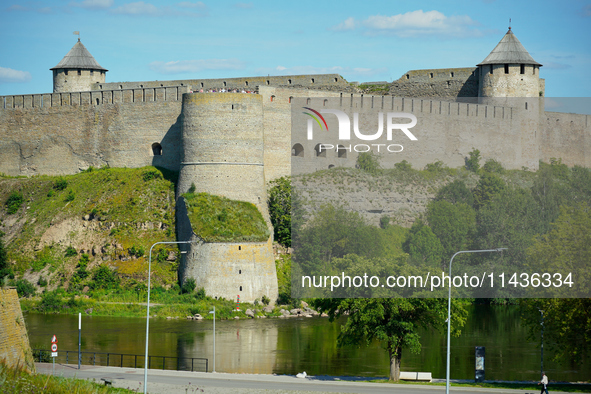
(542, 346)
(449, 308)
(148, 308)
(213, 338)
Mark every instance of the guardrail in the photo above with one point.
(124, 360)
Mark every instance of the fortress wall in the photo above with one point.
(57, 140)
(94, 97)
(437, 83)
(227, 269)
(567, 137)
(446, 131)
(247, 83)
(223, 146)
(14, 341)
(277, 126)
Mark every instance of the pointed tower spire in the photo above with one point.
(77, 71)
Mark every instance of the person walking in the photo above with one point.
(544, 383)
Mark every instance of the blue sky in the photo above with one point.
(362, 41)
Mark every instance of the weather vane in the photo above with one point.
(509, 23)
(78, 34)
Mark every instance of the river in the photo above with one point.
(289, 346)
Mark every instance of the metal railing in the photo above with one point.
(124, 360)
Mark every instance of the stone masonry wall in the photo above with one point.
(437, 83)
(14, 341)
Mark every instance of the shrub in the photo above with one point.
(473, 162)
(14, 202)
(200, 294)
(492, 165)
(60, 184)
(70, 197)
(384, 222)
(42, 281)
(151, 174)
(137, 251)
(403, 166)
(50, 301)
(70, 251)
(104, 278)
(188, 285)
(368, 162)
(24, 288)
(265, 300)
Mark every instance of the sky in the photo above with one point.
(361, 40)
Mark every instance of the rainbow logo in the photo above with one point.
(315, 118)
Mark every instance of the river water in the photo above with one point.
(289, 346)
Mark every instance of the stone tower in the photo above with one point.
(77, 71)
(510, 71)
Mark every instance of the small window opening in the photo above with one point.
(336, 79)
(430, 75)
(224, 83)
(239, 247)
(240, 288)
(297, 150)
(308, 101)
(91, 72)
(268, 82)
(312, 80)
(451, 74)
(407, 76)
(79, 72)
(156, 149)
(331, 166)
(97, 101)
(66, 72)
(272, 98)
(239, 272)
(522, 69)
(120, 86)
(526, 105)
(245, 83)
(325, 102)
(290, 99)
(506, 69)
(289, 81)
(320, 152)
(201, 84)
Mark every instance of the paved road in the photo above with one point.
(182, 382)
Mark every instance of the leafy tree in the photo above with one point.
(492, 165)
(395, 322)
(60, 184)
(334, 232)
(384, 222)
(454, 225)
(368, 162)
(455, 192)
(279, 204)
(473, 162)
(488, 186)
(422, 245)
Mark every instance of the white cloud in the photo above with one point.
(587, 10)
(347, 24)
(556, 66)
(93, 4)
(138, 8)
(414, 23)
(191, 66)
(8, 75)
(42, 10)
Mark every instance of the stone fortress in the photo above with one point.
(234, 144)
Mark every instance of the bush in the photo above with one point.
(189, 285)
(50, 301)
(384, 222)
(70, 197)
(137, 251)
(150, 175)
(473, 162)
(492, 165)
(368, 162)
(70, 251)
(24, 288)
(403, 166)
(200, 295)
(42, 281)
(104, 278)
(265, 300)
(60, 184)
(14, 202)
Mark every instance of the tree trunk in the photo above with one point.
(395, 357)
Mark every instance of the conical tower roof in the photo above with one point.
(79, 57)
(509, 51)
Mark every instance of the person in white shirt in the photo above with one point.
(544, 383)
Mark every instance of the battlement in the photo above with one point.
(94, 97)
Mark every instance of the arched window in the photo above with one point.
(320, 152)
(157, 149)
(297, 150)
(342, 152)
(331, 166)
(272, 98)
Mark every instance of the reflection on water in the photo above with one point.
(289, 346)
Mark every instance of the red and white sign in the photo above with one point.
(54, 339)
(54, 347)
